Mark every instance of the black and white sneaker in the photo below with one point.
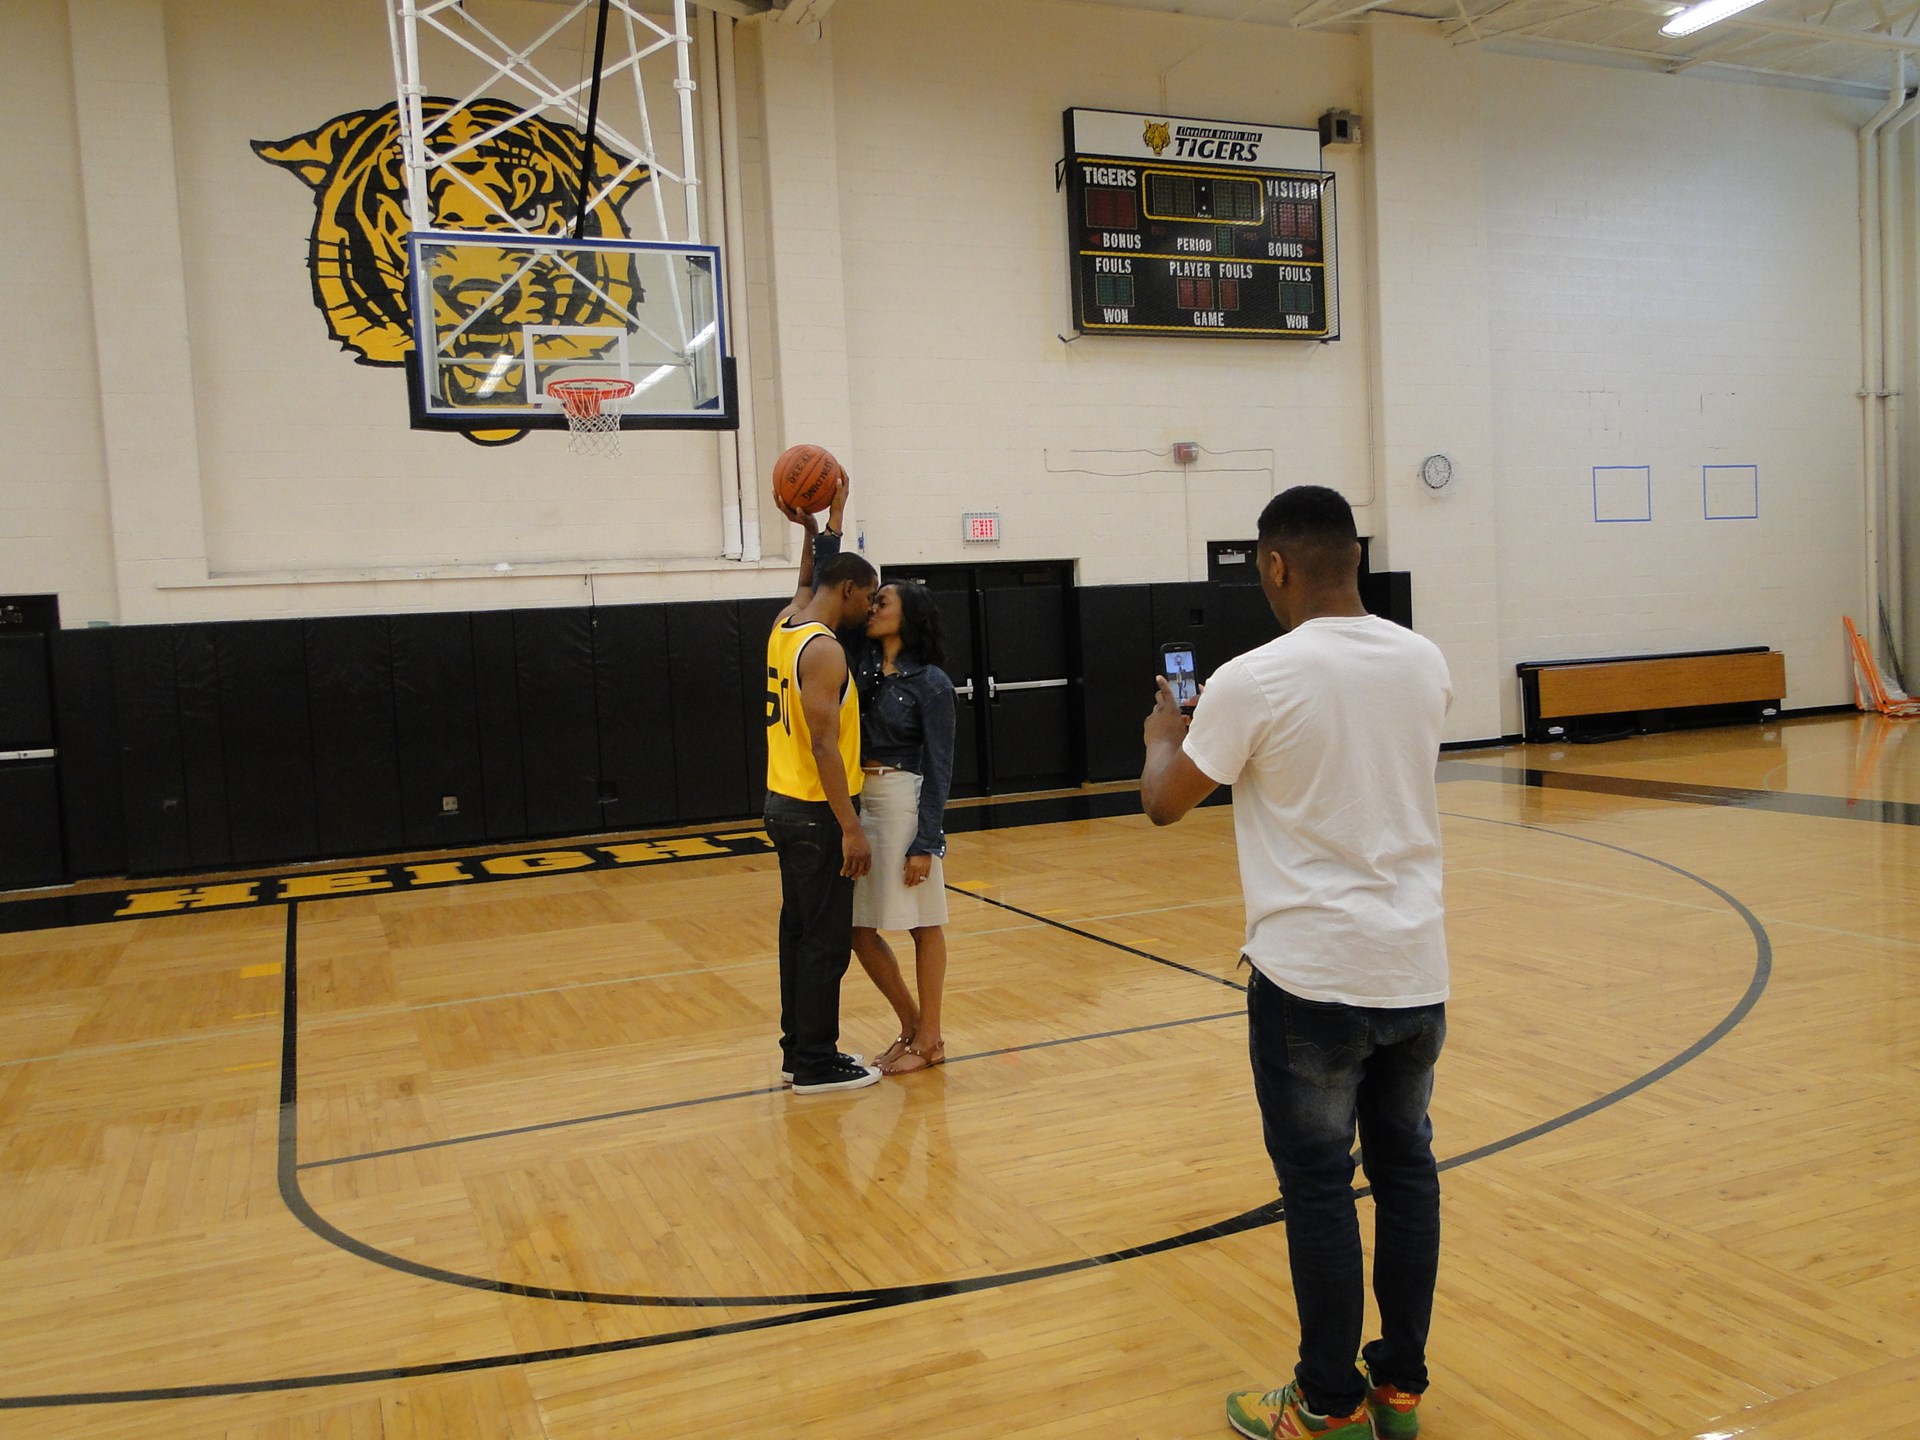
(844, 1074)
(786, 1076)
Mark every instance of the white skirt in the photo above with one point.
(882, 900)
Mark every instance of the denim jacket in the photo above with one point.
(907, 719)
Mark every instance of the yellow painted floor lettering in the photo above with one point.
(198, 897)
(536, 863)
(437, 872)
(339, 882)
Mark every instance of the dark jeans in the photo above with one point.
(1320, 1070)
(816, 931)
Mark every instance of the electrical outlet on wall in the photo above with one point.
(449, 804)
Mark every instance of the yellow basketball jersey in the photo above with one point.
(790, 766)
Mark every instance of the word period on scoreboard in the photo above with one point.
(1199, 227)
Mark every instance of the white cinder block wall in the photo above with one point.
(1675, 284)
(1633, 270)
(1432, 373)
(954, 239)
(55, 532)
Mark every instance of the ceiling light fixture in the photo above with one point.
(1707, 12)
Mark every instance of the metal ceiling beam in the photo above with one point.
(1306, 19)
(1348, 14)
(1827, 34)
(1832, 34)
(1728, 45)
(799, 12)
(1534, 27)
(1655, 58)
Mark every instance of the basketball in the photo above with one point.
(804, 477)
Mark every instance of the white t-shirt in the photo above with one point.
(1329, 736)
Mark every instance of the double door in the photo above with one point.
(1012, 653)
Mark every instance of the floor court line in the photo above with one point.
(845, 1303)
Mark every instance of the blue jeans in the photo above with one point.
(1319, 1072)
(816, 931)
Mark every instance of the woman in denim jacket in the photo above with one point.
(907, 723)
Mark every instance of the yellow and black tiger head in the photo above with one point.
(1157, 135)
(528, 168)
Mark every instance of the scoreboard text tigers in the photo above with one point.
(1199, 227)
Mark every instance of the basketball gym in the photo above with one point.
(388, 991)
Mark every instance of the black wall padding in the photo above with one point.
(30, 837)
(268, 734)
(152, 768)
(756, 624)
(437, 730)
(87, 733)
(356, 755)
(196, 669)
(634, 700)
(709, 725)
(1183, 612)
(1240, 620)
(26, 694)
(559, 732)
(1118, 662)
(1389, 594)
(496, 688)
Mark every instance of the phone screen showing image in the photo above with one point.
(1177, 664)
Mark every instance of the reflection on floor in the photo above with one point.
(537, 1175)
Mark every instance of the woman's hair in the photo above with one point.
(920, 632)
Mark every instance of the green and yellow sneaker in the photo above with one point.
(1395, 1411)
(1283, 1415)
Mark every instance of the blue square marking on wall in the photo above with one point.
(1730, 492)
(1622, 493)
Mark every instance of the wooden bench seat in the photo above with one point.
(1583, 699)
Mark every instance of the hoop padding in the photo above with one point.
(593, 413)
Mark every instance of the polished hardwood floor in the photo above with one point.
(513, 1160)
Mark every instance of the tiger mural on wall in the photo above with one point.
(357, 253)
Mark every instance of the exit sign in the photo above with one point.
(980, 527)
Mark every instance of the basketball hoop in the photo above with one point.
(593, 413)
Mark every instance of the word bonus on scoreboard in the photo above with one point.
(1199, 227)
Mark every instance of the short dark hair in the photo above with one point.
(1312, 527)
(921, 633)
(844, 567)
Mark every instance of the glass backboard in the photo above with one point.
(498, 318)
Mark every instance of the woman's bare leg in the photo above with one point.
(877, 959)
(930, 975)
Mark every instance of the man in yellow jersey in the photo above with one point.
(813, 775)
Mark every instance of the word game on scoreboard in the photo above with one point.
(1199, 227)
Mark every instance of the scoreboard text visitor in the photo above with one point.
(1199, 227)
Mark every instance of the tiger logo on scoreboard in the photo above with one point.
(526, 168)
(1158, 136)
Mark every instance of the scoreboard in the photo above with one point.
(1199, 227)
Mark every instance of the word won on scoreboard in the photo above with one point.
(1199, 227)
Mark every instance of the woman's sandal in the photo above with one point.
(892, 1053)
(926, 1059)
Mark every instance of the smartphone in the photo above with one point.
(1176, 663)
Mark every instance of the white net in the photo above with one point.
(593, 413)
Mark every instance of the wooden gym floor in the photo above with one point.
(512, 1159)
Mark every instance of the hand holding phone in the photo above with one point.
(1176, 663)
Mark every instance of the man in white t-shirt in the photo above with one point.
(1329, 737)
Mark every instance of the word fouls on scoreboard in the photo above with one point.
(1164, 242)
